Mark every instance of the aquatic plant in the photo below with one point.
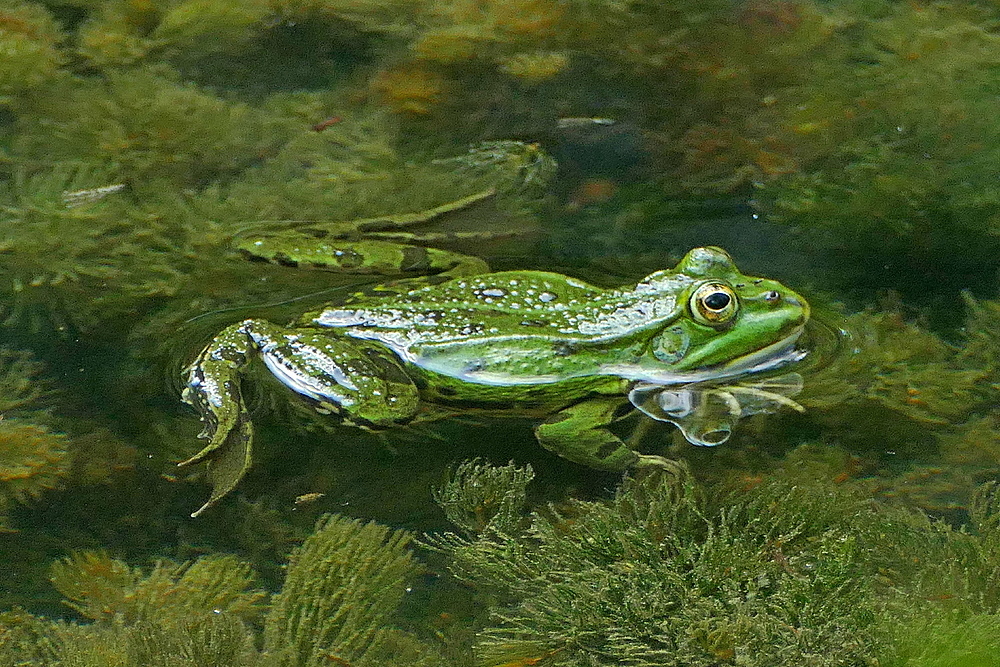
(780, 573)
(659, 576)
(459, 31)
(901, 366)
(147, 125)
(948, 640)
(981, 336)
(186, 25)
(341, 590)
(868, 138)
(534, 40)
(144, 133)
(142, 241)
(116, 33)
(204, 641)
(409, 89)
(51, 283)
(477, 497)
(357, 169)
(342, 586)
(512, 168)
(253, 47)
(786, 96)
(41, 447)
(787, 571)
(33, 459)
(29, 40)
(536, 66)
(919, 411)
(121, 33)
(100, 587)
(370, 17)
(22, 385)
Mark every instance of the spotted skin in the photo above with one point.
(528, 343)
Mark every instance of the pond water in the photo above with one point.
(168, 167)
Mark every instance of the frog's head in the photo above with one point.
(728, 323)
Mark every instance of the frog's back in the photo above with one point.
(514, 327)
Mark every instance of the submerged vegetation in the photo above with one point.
(778, 574)
(848, 148)
(660, 574)
(341, 589)
(33, 457)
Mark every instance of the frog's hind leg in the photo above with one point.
(386, 245)
(579, 433)
(359, 380)
(363, 256)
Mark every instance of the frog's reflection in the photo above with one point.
(706, 412)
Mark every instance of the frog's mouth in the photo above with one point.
(776, 355)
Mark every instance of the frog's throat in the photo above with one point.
(774, 356)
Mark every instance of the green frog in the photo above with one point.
(531, 343)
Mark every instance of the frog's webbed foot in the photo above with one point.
(213, 389)
(229, 460)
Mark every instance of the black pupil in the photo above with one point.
(717, 300)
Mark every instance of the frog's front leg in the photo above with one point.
(359, 380)
(579, 433)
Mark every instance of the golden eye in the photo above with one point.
(714, 303)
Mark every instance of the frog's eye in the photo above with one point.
(714, 303)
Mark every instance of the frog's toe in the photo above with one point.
(654, 461)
